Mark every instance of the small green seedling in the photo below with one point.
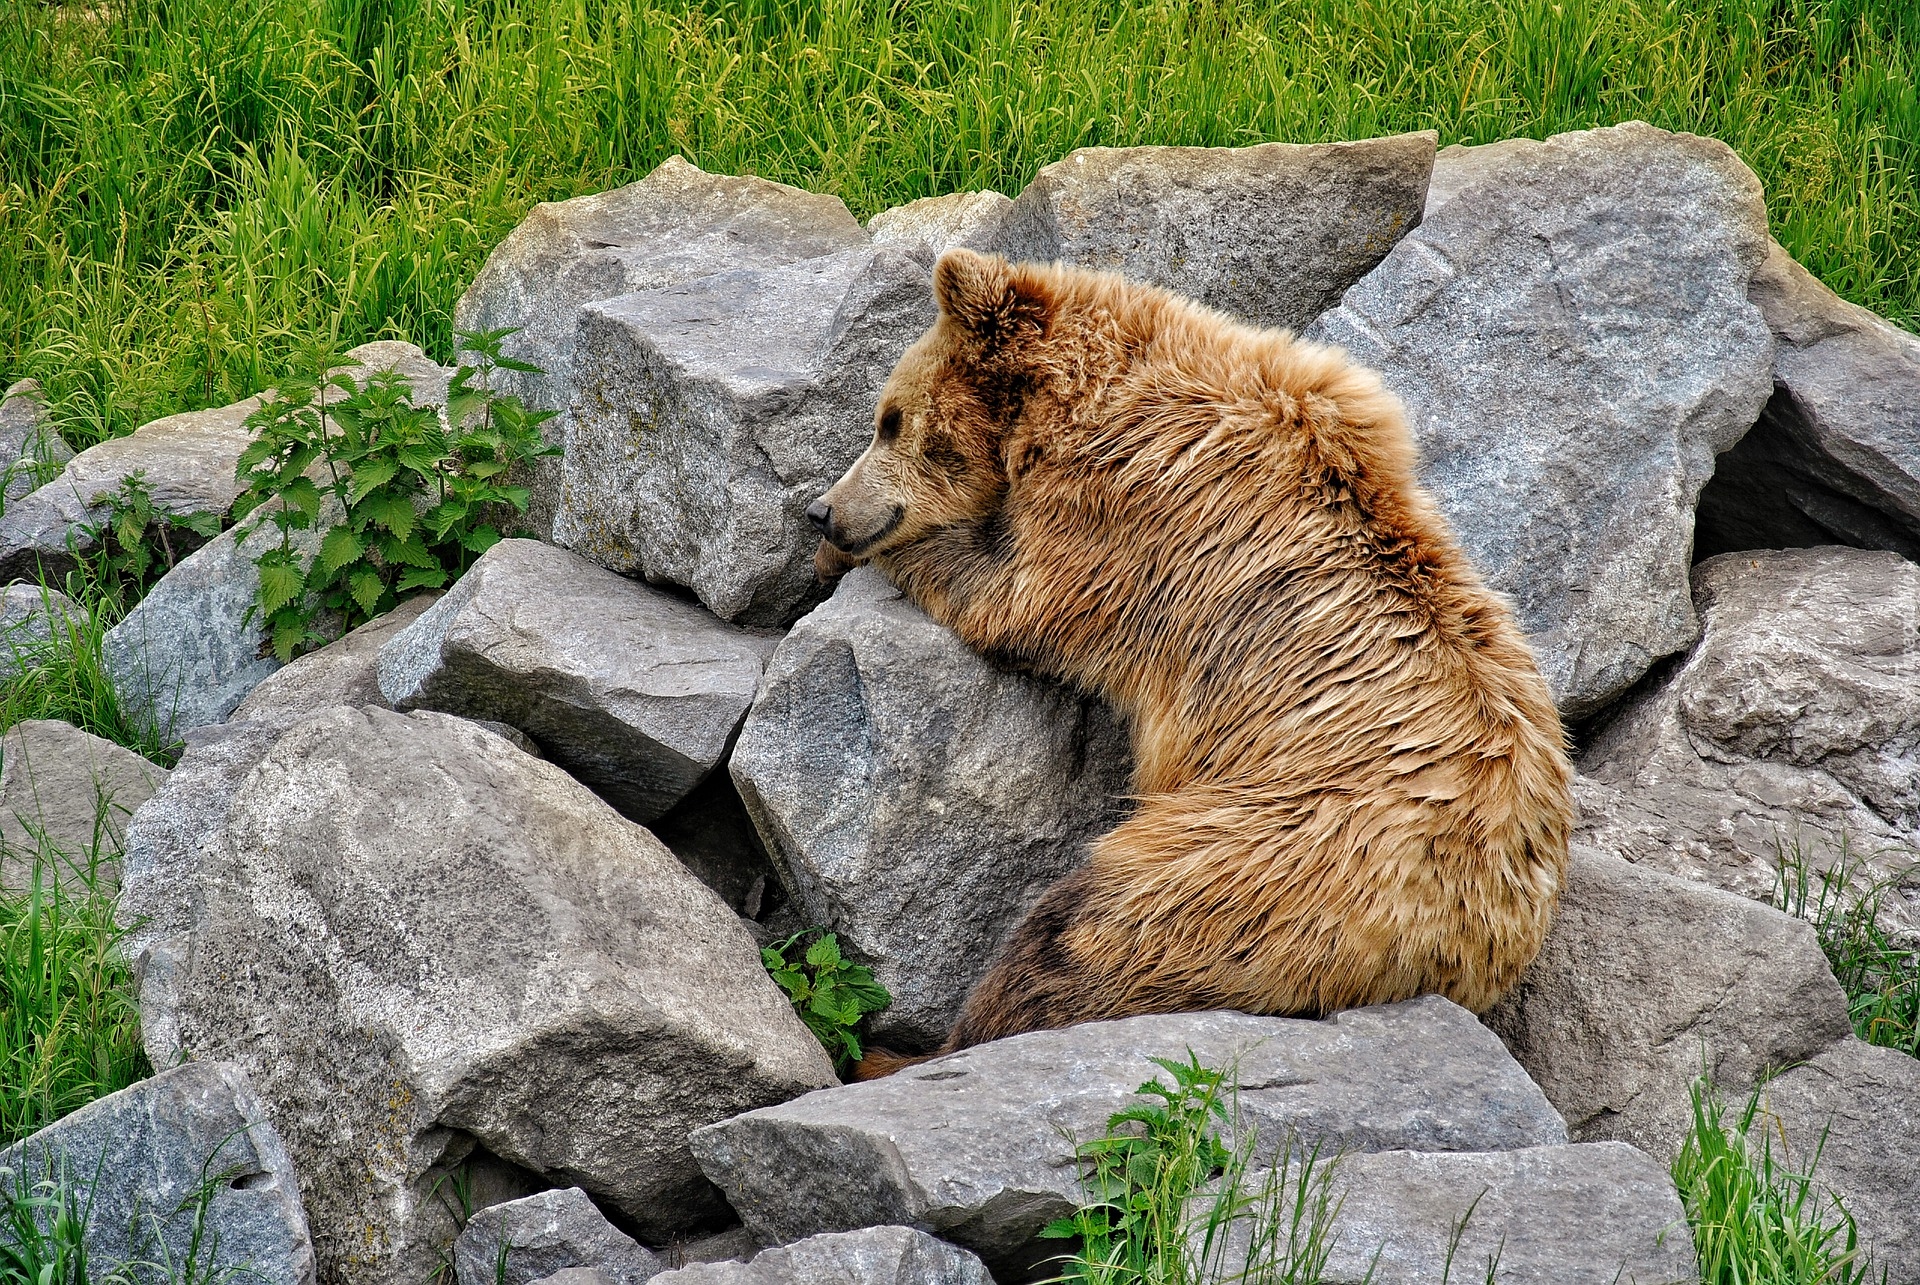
(831, 995)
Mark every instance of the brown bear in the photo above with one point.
(1351, 785)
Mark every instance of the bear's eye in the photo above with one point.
(889, 423)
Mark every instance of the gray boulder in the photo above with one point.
(30, 615)
(978, 1146)
(636, 693)
(1849, 1115)
(916, 799)
(1272, 234)
(30, 450)
(344, 672)
(1579, 1215)
(1794, 726)
(193, 648)
(67, 794)
(711, 414)
(936, 223)
(188, 465)
(1573, 339)
(674, 226)
(430, 950)
(141, 1159)
(1836, 457)
(537, 1236)
(1646, 982)
(870, 1256)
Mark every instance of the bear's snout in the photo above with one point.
(820, 513)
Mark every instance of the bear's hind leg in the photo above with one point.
(1036, 982)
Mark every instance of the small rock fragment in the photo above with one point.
(870, 1256)
(534, 1237)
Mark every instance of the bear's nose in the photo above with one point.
(820, 513)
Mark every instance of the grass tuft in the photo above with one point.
(1880, 977)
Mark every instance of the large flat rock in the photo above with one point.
(917, 799)
(1836, 457)
(977, 1147)
(676, 225)
(634, 692)
(65, 797)
(137, 1161)
(1571, 332)
(710, 414)
(1273, 234)
(432, 950)
(1793, 724)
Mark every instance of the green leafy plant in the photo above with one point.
(137, 543)
(1881, 978)
(1166, 1201)
(1755, 1220)
(831, 994)
(402, 500)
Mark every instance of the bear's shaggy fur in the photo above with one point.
(1351, 782)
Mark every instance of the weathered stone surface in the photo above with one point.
(31, 614)
(140, 1157)
(634, 692)
(430, 948)
(1795, 721)
(936, 223)
(191, 650)
(547, 1233)
(1836, 457)
(344, 672)
(673, 226)
(1647, 981)
(1273, 234)
(977, 1146)
(711, 414)
(1572, 336)
(73, 790)
(1857, 1108)
(870, 1256)
(916, 798)
(30, 449)
(1578, 1215)
(188, 463)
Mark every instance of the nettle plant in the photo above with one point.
(831, 994)
(136, 543)
(404, 500)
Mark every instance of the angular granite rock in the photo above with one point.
(31, 614)
(1856, 1108)
(977, 1146)
(30, 450)
(71, 791)
(191, 650)
(870, 1256)
(1645, 982)
(140, 1158)
(344, 672)
(1794, 724)
(674, 226)
(937, 223)
(420, 941)
(917, 799)
(1836, 457)
(536, 1236)
(710, 414)
(635, 693)
(1273, 234)
(1573, 339)
(1591, 1214)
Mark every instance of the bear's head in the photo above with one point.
(941, 430)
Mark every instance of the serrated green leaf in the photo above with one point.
(302, 494)
(206, 525)
(280, 584)
(395, 513)
(366, 588)
(421, 578)
(480, 539)
(369, 477)
(824, 953)
(289, 631)
(338, 548)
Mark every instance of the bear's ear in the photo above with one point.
(987, 298)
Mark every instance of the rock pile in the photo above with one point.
(401, 934)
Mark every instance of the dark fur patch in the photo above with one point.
(941, 453)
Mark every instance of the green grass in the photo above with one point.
(64, 677)
(69, 1023)
(1755, 1220)
(190, 187)
(1880, 977)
